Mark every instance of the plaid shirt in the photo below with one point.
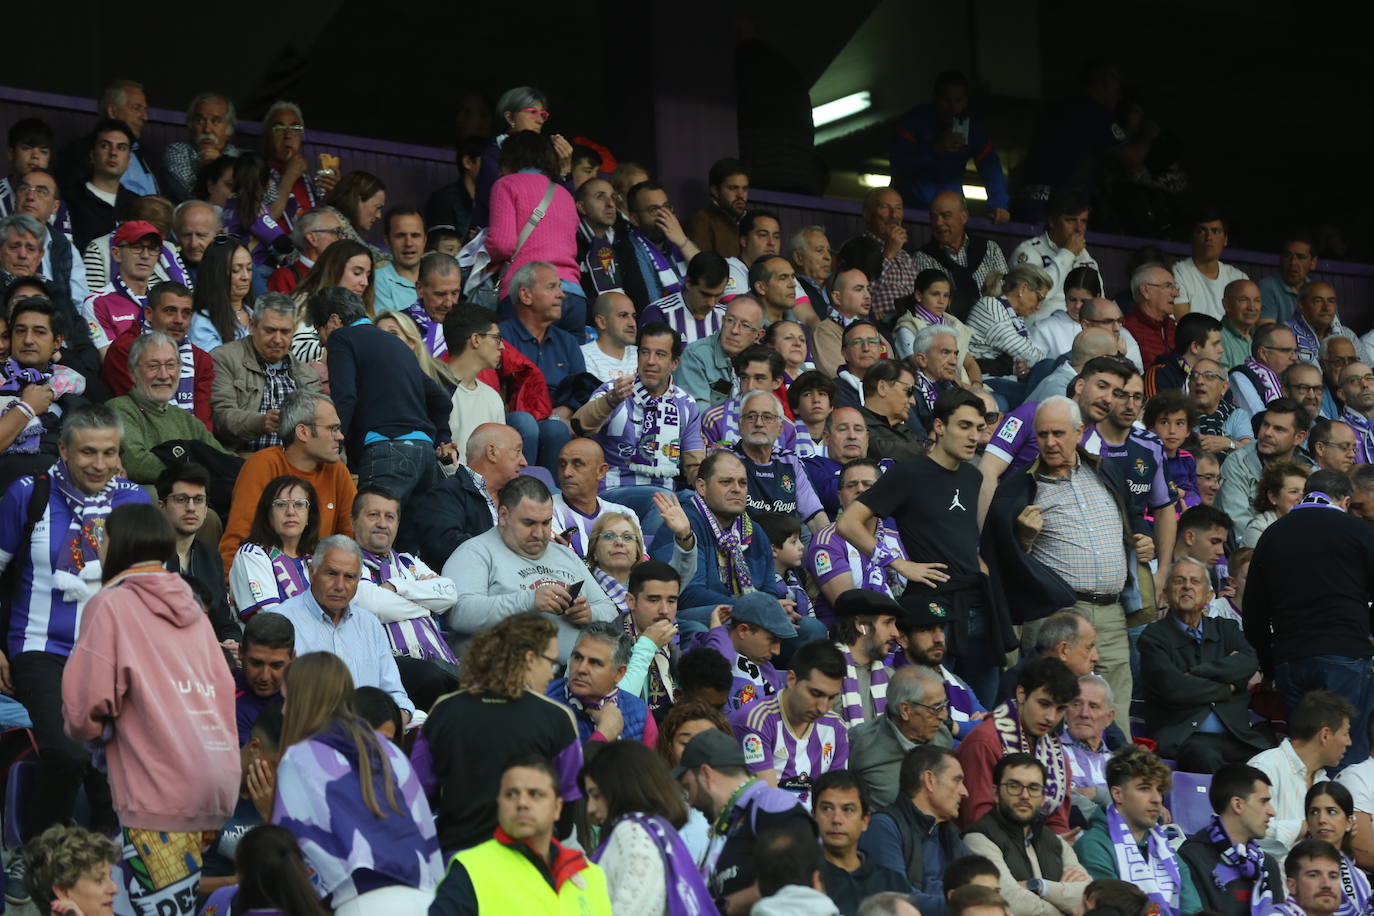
(277, 384)
(1081, 537)
(993, 259)
(896, 279)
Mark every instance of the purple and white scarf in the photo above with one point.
(688, 894)
(1240, 862)
(290, 572)
(1364, 434)
(432, 331)
(614, 590)
(416, 637)
(928, 316)
(660, 424)
(1269, 379)
(80, 550)
(1158, 876)
(927, 388)
(1047, 750)
(1317, 500)
(1355, 889)
(185, 398)
(670, 271)
(659, 686)
(851, 701)
(730, 546)
(1017, 322)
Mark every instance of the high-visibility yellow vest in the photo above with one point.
(505, 882)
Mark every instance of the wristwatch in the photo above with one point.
(1036, 887)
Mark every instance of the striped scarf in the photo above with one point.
(1364, 434)
(1007, 721)
(851, 701)
(658, 686)
(432, 331)
(730, 547)
(419, 636)
(1273, 388)
(1242, 862)
(614, 590)
(668, 271)
(928, 316)
(1158, 876)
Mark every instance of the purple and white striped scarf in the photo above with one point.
(614, 590)
(1158, 876)
(431, 330)
(730, 546)
(1273, 388)
(670, 271)
(417, 637)
(1355, 888)
(1048, 750)
(290, 573)
(928, 316)
(688, 894)
(659, 686)
(1240, 862)
(851, 702)
(1364, 434)
(1016, 320)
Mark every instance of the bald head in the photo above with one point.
(495, 451)
(1090, 343)
(581, 467)
(1097, 312)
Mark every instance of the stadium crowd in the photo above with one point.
(566, 554)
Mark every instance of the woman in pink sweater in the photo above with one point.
(528, 167)
(148, 685)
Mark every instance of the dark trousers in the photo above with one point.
(406, 467)
(63, 764)
(424, 681)
(1349, 677)
(1204, 753)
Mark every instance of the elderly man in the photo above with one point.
(706, 364)
(1105, 315)
(696, 311)
(1151, 322)
(1357, 391)
(1335, 354)
(313, 232)
(896, 278)
(1297, 260)
(98, 204)
(1085, 742)
(777, 480)
(612, 354)
(1303, 383)
(514, 567)
(850, 301)
(1282, 429)
(1317, 320)
(1197, 671)
(1062, 247)
(168, 312)
(393, 283)
(210, 122)
(293, 188)
(36, 195)
(889, 398)
(57, 574)
(1257, 380)
(715, 227)
(757, 368)
(405, 595)
(1203, 278)
(23, 240)
(810, 254)
(537, 296)
(439, 286)
(464, 505)
(328, 618)
(1242, 303)
(1333, 445)
(935, 353)
(576, 507)
(1221, 426)
(916, 707)
(111, 311)
(254, 375)
(195, 225)
(604, 711)
(966, 260)
(1058, 533)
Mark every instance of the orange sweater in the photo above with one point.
(332, 484)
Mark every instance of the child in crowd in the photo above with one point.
(784, 534)
(1171, 415)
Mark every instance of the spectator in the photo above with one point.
(1278, 490)
(359, 198)
(638, 808)
(1357, 392)
(773, 282)
(310, 433)
(777, 479)
(650, 621)
(168, 312)
(351, 798)
(1088, 345)
(1227, 849)
(223, 298)
(396, 280)
(686, 720)
(30, 144)
(41, 391)
(603, 711)
(346, 263)
(395, 444)
(1336, 353)
(1330, 815)
(270, 874)
(71, 869)
(1241, 302)
(970, 870)
(888, 405)
(882, 215)
(1105, 314)
(715, 227)
(1203, 278)
(749, 636)
(406, 596)
(1297, 260)
(916, 835)
(246, 216)
(934, 355)
(210, 123)
(696, 311)
(181, 494)
(523, 108)
(1125, 841)
(1356, 780)
(965, 260)
(833, 562)
(110, 312)
(1060, 249)
(851, 301)
(913, 717)
(270, 564)
(195, 224)
(1151, 322)
(1001, 342)
(1317, 320)
(472, 344)
(36, 195)
(292, 189)
(605, 249)
(514, 568)
(98, 204)
(1314, 878)
(843, 813)
(577, 508)
(1318, 737)
(1054, 332)
(809, 252)
(1362, 502)
(1334, 444)
(1196, 338)
(612, 354)
(713, 773)
(844, 438)
(1203, 535)
(1085, 742)
(760, 237)
(1257, 379)
(143, 637)
(1208, 478)
(662, 250)
(1282, 428)
(921, 637)
(449, 208)
(312, 232)
(1221, 425)
(756, 368)
(269, 645)
(617, 546)
(706, 364)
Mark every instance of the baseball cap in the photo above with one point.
(134, 230)
(711, 747)
(763, 610)
(864, 602)
(922, 612)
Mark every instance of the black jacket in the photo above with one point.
(848, 889)
(451, 511)
(1185, 681)
(1202, 857)
(896, 442)
(914, 825)
(208, 568)
(1049, 848)
(1035, 591)
(91, 216)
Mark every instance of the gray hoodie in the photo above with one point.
(795, 900)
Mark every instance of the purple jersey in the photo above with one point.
(770, 744)
(830, 555)
(1014, 441)
(751, 679)
(672, 311)
(257, 235)
(1141, 459)
(645, 436)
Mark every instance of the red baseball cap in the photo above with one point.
(134, 230)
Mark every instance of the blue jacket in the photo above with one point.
(920, 171)
(632, 709)
(708, 587)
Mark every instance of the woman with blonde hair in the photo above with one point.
(351, 798)
(615, 544)
(404, 327)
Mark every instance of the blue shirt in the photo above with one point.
(1212, 724)
(1280, 302)
(922, 171)
(391, 291)
(358, 639)
(558, 356)
(136, 177)
(882, 842)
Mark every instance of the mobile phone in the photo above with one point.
(575, 589)
(960, 127)
(566, 533)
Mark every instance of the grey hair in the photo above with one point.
(1058, 400)
(90, 416)
(436, 263)
(307, 222)
(277, 303)
(745, 299)
(1141, 275)
(1206, 571)
(144, 343)
(759, 392)
(24, 225)
(797, 244)
(911, 688)
(512, 100)
(883, 904)
(924, 340)
(1323, 350)
(613, 634)
(1061, 626)
(230, 111)
(1029, 274)
(335, 300)
(1098, 680)
(116, 92)
(336, 542)
(524, 278)
(283, 105)
(300, 406)
(185, 205)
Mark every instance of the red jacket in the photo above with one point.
(979, 753)
(115, 372)
(286, 279)
(520, 382)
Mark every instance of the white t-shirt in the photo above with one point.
(1203, 293)
(607, 368)
(737, 283)
(106, 196)
(471, 408)
(1359, 779)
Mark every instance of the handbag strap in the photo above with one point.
(535, 216)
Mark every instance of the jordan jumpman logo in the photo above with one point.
(955, 503)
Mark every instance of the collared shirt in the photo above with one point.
(1235, 345)
(1081, 537)
(896, 278)
(358, 639)
(136, 177)
(481, 484)
(558, 355)
(993, 259)
(1280, 301)
(392, 292)
(1288, 778)
(1154, 337)
(277, 383)
(1055, 261)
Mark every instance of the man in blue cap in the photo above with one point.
(749, 635)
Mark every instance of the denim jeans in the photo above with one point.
(406, 467)
(981, 667)
(1349, 677)
(543, 439)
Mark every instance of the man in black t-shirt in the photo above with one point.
(934, 501)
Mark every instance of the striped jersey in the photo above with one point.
(672, 310)
(770, 744)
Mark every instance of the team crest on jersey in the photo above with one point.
(1009, 429)
(787, 484)
(1021, 258)
(753, 749)
(823, 565)
(827, 753)
(748, 695)
(1140, 466)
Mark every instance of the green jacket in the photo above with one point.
(148, 424)
(1095, 854)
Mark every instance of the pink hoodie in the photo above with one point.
(147, 663)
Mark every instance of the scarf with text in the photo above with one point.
(1157, 876)
(660, 433)
(1007, 721)
(730, 546)
(1355, 888)
(185, 397)
(851, 702)
(1273, 387)
(659, 686)
(1240, 862)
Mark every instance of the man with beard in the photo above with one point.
(1038, 873)
(1313, 870)
(169, 311)
(866, 624)
(715, 227)
(1303, 383)
(1282, 428)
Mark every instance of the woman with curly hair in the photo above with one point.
(70, 870)
(1278, 490)
(499, 713)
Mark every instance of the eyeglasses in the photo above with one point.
(1286, 350)
(1359, 378)
(171, 366)
(147, 250)
(182, 499)
(300, 505)
(328, 230)
(733, 322)
(489, 335)
(1170, 285)
(610, 537)
(755, 416)
(1347, 447)
(1136, 397)
(1209, 477)
(1034, 790)
(936, 710)
(908, 390)
(294, 128)
(1114, 322)
(864, 342)
(336, 428)
(1304, 389)
(1333, 360)
(37, 190)
(539, 113)
(1204, 374)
